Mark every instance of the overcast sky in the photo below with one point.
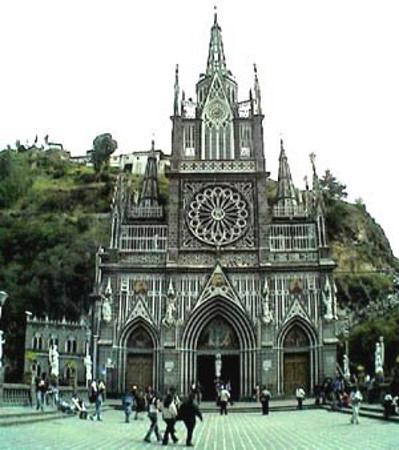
(329, 75)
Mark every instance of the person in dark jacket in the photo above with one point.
(188, 411)
(264, 399)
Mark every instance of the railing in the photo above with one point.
(289, 211)
(18, 394)
(217, 166)
(154, 212)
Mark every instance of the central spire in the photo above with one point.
(216, 57)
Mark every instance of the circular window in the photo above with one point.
(218, 215)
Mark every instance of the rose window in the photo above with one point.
(218, 215)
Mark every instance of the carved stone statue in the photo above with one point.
(218, 365)
(267, 316)
(327, 300)
(54, 358)
(379, 358)
(106, 310)
(169, 318)
(347, 373)
(88, 365)
(2, 341)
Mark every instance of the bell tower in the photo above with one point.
(217, 177)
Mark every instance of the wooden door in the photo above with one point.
(296, 372)
(139, 371)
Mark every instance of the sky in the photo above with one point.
(329, 74)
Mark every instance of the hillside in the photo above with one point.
(54, 216)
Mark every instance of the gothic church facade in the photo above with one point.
(220, 283)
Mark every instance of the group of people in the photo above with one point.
(171, 408)
(46, 392)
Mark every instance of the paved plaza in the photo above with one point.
(307, 429)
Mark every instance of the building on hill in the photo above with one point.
(223, 284)
(136, 162)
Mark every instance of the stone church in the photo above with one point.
(221, 282)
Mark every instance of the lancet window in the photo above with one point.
(284, 237)
(143, 238)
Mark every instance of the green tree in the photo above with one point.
(331, 187)
(103, 147)
(15, 178)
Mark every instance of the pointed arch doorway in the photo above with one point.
(139, 359)
(218, 358)
(296, 360)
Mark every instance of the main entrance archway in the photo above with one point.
(219, 326)
(218, 358)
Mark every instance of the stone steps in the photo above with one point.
(29, 416)
(365, 411)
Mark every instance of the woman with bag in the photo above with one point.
(154, 404)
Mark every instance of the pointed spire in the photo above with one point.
(216, 57)
(177, 92)
(285, 187)
(258, 103)
(312, 157)
(150, 190)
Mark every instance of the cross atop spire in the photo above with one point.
(216, 57)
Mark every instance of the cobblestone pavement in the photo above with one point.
(307, 429)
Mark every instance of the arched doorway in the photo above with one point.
(297, 368)
(218, 358)
(139, 359)
(242, 353)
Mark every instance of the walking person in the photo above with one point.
(264, 399)
(356, 399)
(224, 397)
(188, 412)
(127, 403)
(300, 396)
(154, 404)
(97, 392)
(169, 414)
(41, 388)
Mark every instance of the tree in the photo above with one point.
(103, 147)
(331, 187)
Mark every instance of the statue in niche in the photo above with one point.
(54, 359)
(106, 310)
(169, 319)
(327, 301)
(267, 314)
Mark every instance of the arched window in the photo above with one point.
(53, 340)
(37, 341)
(70, 345)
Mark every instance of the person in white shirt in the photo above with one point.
(224, 397)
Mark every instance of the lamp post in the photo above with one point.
(95, 327)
